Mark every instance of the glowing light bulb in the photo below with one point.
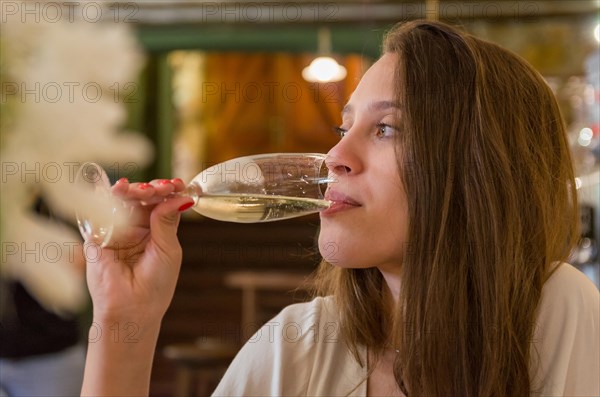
(324, 70)
(585, 136)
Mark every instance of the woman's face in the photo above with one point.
(367, 224)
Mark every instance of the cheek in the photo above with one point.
(375, 234)
(388, 236)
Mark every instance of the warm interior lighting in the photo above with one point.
(585, 136)
(597, 33)
(324, 69)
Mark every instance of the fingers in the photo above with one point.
(178, 184)
(164, 221)
(135, 194)
(153, 206)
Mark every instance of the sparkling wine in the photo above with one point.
(250, 208)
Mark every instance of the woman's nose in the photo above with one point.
(344, 158)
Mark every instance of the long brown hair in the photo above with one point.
(485, 164)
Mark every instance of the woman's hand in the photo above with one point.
(134, 277)
(132, 283)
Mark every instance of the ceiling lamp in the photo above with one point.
(324, 69)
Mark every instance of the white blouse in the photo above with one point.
(300, 351)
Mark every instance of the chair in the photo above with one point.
(199, 365)
(251, 283)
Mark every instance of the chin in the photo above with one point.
(337, 254)
(342, 245)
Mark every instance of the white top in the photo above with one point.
(300, 351)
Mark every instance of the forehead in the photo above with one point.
(375, 91)
(378, 81)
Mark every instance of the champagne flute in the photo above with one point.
(257, 188)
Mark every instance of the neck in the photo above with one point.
(392, 293)
(392, 280)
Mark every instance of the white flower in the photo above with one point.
(64, 81)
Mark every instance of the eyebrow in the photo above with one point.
(373, 106)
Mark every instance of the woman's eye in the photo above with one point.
(340, 131)
(385, 130)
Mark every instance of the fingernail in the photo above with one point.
(164, 182)
(177, 180)
(123, 180)
(144, 186)
(186, 206)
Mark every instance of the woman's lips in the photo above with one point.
(339, 202)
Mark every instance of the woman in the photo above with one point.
(444, 249)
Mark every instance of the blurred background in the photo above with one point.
(226, 79)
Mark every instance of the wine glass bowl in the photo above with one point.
(263, 188)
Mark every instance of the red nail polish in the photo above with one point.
(123, 180)
(177, 180)
(144, 186)
(186, 206)
(164, 182)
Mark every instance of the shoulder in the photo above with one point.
(298, 328)
(290, 354)
(570, 302)
(314, 308)
(566, 347)
(568, 288)
(320, 309)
